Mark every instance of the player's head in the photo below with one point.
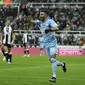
(43, 14)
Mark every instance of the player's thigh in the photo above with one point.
(53, 51)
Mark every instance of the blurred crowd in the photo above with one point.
(68, 19)
(5, 14)
(47, 1)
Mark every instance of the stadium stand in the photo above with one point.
(68, 18)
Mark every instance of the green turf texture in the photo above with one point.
(36, 70)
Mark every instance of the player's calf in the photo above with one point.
(9, 58)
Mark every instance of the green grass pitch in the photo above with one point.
(36, 70)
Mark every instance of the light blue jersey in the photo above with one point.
(49, 39)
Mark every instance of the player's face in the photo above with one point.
(42, 16)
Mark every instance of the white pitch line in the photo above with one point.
(34, 67)
(38, 78)
(22, 68)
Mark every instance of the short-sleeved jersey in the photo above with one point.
(49, 39)
(7, 35)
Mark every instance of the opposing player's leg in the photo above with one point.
(24, 45)
(9, 56)
(26, 50)
(3, 52)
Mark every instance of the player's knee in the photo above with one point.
(5, 49)
(53, 60)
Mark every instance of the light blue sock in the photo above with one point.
(53, 60)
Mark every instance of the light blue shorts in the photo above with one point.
(52, 51)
